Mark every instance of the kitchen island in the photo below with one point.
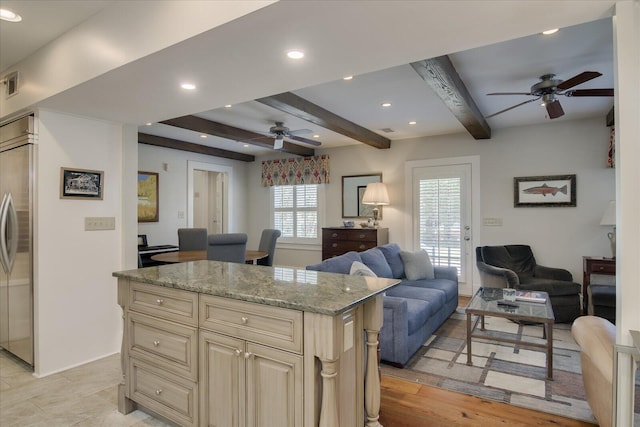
(223, 344)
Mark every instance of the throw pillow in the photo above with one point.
(417, 265)
(359, 269)
(375, 260)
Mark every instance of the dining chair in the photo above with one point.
(230, 247)
(192, 239)
(268, 245)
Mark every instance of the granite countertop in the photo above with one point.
(287, 287)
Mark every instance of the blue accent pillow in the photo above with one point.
(375, 260)
(339, 264)
(391, 252)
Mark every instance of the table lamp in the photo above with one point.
(376, 194)
(609, 218)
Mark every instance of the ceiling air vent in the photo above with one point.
(387, 130)
(11, 84)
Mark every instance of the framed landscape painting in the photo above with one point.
(544, 191)
(148, 197)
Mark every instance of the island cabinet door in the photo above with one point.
(274, 387)
(222, 380)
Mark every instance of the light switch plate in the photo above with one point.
(494, 222)
(99, 223)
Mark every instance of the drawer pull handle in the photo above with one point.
(245, 320)
(601, 268)
(160, 301)
(335, 245)
(248, 354)
(156, 343)
(362, 246)
(159, 391)
(334, 235)
(362, 236)
(238, 352)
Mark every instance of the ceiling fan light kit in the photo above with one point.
(548, 88)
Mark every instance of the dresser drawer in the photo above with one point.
(171, 304)
(340, 247)
(273, 326)
(169, 345)
(604, 267)
(168, 395)
(359, 235)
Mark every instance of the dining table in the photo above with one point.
(251, 256)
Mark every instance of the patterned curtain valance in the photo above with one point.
(296, 171)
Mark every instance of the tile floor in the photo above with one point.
(84, 396)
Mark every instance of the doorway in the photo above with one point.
(443, 201)
(208, 197)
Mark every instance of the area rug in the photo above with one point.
(500, 371)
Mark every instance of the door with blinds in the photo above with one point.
(441, 217)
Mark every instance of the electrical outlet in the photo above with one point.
(493, 222)
(180, 214)
(99, 223)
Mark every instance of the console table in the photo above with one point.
(594, 265)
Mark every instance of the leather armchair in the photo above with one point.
(514, 266)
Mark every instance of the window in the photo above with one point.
(296, 213)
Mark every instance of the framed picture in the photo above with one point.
(544, 191)
(147, 197)
(81, 184)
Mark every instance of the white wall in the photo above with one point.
(77, 318)
(173, 191)
(559, 236)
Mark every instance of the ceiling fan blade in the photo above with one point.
(305, 140)
(510, 93)
(554, 109)
(585, 76)
(512, 107)
(589, 92)
(300, 131)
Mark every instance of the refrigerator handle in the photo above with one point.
(9, 216)
(3, 237)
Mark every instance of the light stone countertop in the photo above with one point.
(287, 287)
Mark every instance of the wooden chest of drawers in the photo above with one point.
(339, 240)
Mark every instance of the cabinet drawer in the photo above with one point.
(347, 245)
(273, 326)
(166, 344)
(168, 395)
(363, 235)
(171, 304)
(598, 267)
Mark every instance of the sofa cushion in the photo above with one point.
(418, 311)
(447, 286)
(339, 264)
(359, 269)
(436, 297)
(417, 265)
(375, 260)
(391, 252)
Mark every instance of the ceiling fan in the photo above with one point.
(280, 132)
(548, 89)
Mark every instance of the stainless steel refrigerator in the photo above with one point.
(17, 145)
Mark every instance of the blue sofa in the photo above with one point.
(413, 309)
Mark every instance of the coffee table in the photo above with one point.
(485, 303)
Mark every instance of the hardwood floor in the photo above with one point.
(407, 404)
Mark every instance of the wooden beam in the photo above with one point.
(299, 107)
(160, 141)
(441, 76)
(221, 130)
(611, 118)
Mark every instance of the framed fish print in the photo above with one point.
(544, 191)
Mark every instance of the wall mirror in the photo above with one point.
(353, 187)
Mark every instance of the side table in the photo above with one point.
(594, 265)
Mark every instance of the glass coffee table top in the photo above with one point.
(485, 302)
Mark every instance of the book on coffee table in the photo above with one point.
(531, 296)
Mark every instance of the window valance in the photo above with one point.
(296, 171)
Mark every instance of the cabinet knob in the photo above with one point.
(334, 235)
(160, 301)
(248, 354)
(244, 320)
(159, 391)
(363, 247)
(335, 245)
(156, 343)
(362, 236)
(238, 352)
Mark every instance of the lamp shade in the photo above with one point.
(375, 194)
(609, 217)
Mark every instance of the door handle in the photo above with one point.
(10, 216)
(3, 240)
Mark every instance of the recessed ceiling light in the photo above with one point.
(148, 124)
(188, 86)
(412, 123)
(295, 54)
(203, 136)
(549, 32)
(316, 136)
(386, 104)
(9, 15)
(348, 78)
(245, 145)
(227, 106)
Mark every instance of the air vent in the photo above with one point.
(11, 84)
(387, 130)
